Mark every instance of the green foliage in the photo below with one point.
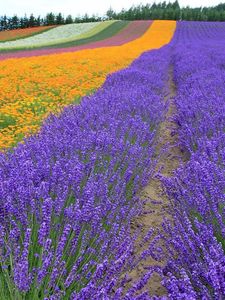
(109, 31)
(6, 120)
(159, 11)
(169, 11)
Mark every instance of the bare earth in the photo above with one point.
(156, 206)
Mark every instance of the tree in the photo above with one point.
(69, 19)
(59, 19)
(110, 13)
(31, 21)
(25, 21)
(50, 19)
(15, 22)
(85, 18)
(38, 21)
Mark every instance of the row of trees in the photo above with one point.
(162, 11)
(8, 23)
(169, 11)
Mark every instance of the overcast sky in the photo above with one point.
(76, 7)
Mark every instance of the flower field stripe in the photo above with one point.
(119, 30)
(68, 195)
(32, 88)
(196, 270)
(59, 34)
(10, 35)
(100, 32)
(131, 32)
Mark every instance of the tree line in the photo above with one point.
(8, 23)
(169, 11)
(160, 11)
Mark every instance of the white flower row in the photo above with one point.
(56, 35)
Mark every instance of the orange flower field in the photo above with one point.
(9, 35)
(31, 88)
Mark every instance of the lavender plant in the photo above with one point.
(196, 268)
(68, 194)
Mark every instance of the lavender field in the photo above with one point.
(123, 195)
(196, 268)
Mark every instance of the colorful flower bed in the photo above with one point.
(15, 34)
(56, 35)
(116, 34)
(196, 269)
(32, 88)
(68, 195)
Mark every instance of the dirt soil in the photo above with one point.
(156, 206)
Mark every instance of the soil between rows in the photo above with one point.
(156, 207)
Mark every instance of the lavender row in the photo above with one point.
(68, 195)
(196, 269)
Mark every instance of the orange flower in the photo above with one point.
(31, 88)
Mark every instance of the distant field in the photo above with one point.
(63, 35)
(30, 88)
(11, 35)
(115, 34)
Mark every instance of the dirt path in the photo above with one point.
(156, 206)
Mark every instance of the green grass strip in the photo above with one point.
(107, 32)
(98, 28)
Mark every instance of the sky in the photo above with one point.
(80, 7)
